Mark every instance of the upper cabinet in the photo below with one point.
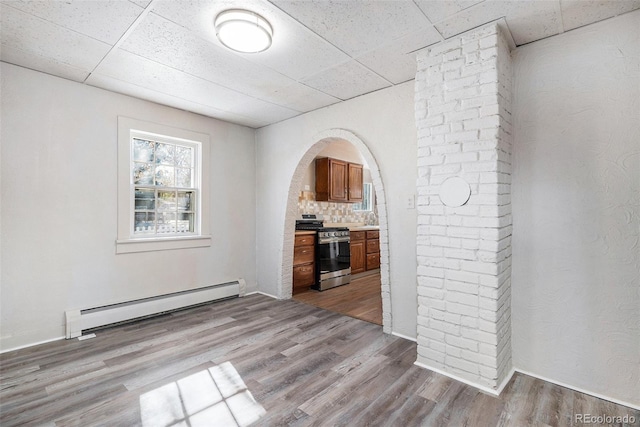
(355, 182)
(338, 181)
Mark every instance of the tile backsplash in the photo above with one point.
(336, 212)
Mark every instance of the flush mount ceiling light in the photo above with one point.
(243, 31)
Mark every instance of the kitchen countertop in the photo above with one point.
(364, 228)
(305, 232)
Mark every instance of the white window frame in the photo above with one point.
(126, 241)
(367, 188)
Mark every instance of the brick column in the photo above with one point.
(463, 118)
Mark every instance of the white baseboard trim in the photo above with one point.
(261, 293)
(20, 347)
(581, 390)
(504, 382)
(404, 336)
(463, 380)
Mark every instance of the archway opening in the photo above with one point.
(318, 145)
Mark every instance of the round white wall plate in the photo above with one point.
(455, 192)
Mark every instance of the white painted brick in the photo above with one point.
(462, 82)
(482, 123)
(431, 355)
(454, 116)
(461, 157)
(445, 327)
(464, 232)
(430, 292)
(429, 302)
(488, 349)
(453, 351)
(469, 321)
(480, 267)
(462, 364)
(453, 65)
(460, 253)
(461, 298)
(431, 282)
(437, 346)
(462, 137)
(431, 334)
(462, 276)
(462, 309)
(441, 48)
(446, 149)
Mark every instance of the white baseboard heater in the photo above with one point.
(90, 318)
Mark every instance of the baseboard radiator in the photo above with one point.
(90, 318)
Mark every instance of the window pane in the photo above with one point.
(185, 200)
(183, 177)
(144, 223)
(166, 201)
(185, 223)
(165, 176)
(142, 173)
(143, 150)
(166, 222)
(164, 153)
(184, 156)
(145, 199)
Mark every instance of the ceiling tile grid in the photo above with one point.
(323, 51)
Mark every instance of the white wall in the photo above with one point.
(576, 208)
(59, 189)
(384, 120)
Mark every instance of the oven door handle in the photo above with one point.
(322, 241)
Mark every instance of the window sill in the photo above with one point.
(161, 244)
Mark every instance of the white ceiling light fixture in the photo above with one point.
(243, 31)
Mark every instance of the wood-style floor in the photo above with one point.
(262, 361)
(361, 298)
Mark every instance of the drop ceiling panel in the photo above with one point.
(528, 20)
(39, 63)
(347, 81)
(296, 51)
(357, 27)
(396, 61)
(34, 41)
(577, 13)
(148, 74)
(264, 112)
(104, 20)
(301, 98)
(165, 42)
(436, 11)
(119, 86)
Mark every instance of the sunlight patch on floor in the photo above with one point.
(213, 397)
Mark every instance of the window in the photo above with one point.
(162, 191)
(366, 204)
(164, 185)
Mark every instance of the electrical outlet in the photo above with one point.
(410, 201)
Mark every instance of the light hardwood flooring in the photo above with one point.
(361, 298)
(260, 360)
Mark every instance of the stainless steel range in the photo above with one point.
(333, 253)
(333, 258)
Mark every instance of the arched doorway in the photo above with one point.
(315, 146)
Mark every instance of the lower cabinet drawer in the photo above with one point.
(373, 261)
(303, 275)
(303, 255)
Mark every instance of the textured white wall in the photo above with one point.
(384, 120)
(576, 208)
(59, 192)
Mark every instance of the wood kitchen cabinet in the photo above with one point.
(303, 262)
(372, 249)
(358, 251)
(338, 181)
